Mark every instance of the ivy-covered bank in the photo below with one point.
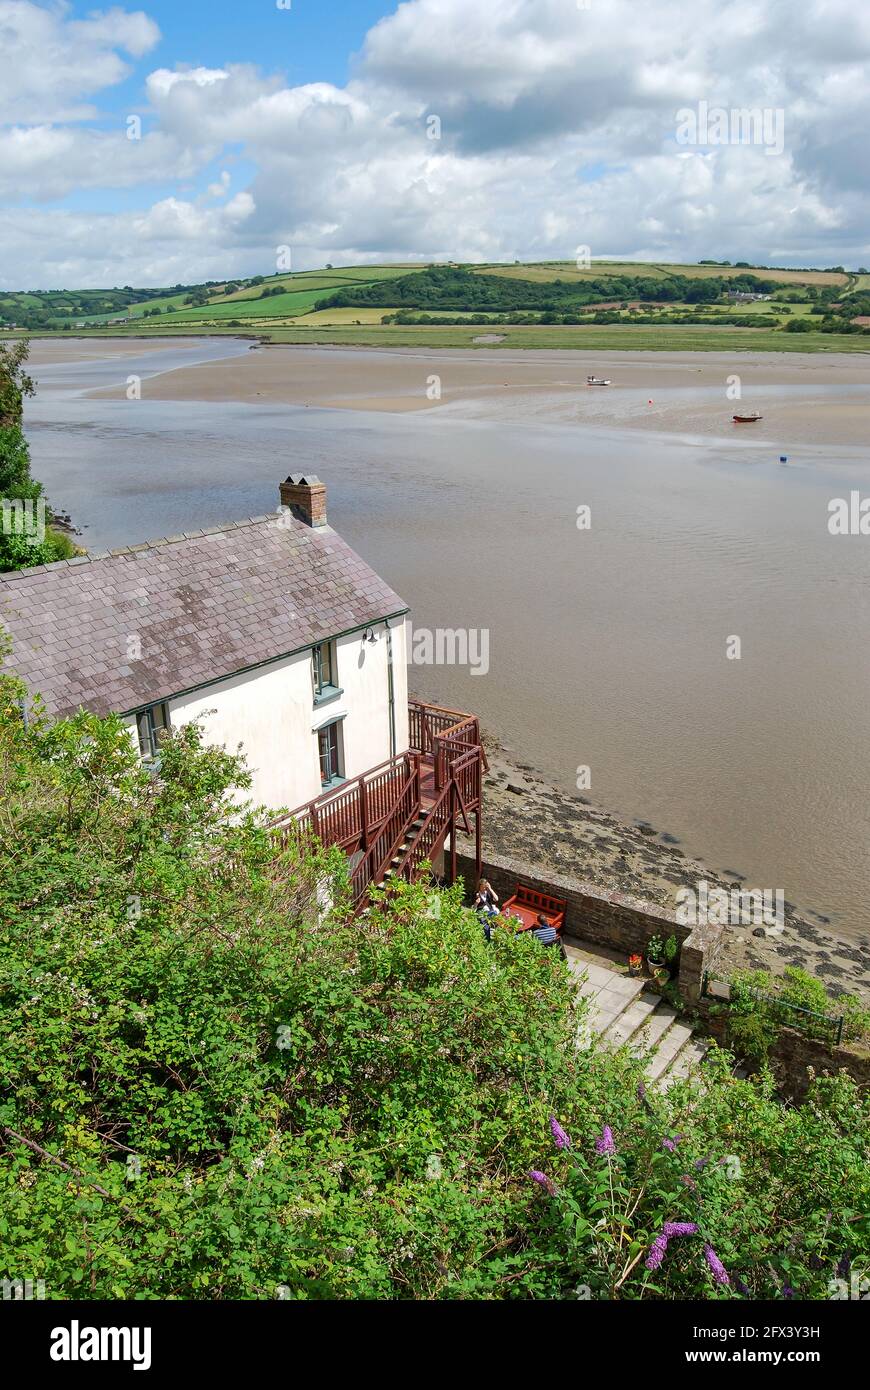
(213, 1087)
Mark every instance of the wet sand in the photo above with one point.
(817, 398)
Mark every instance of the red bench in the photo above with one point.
(528, 905)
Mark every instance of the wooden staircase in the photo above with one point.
(411, 835)
(400, 815)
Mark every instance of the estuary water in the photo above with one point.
(608, 647)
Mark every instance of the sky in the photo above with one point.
(192, 140)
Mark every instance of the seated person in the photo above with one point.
(486, 900)
(544, 931)
(486, 906)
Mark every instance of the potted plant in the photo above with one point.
(635, 962)
(655, 952)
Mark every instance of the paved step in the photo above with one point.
(640, 1012)
(688, 1060)
(607, 1003)
(670, 1046)
(624, 1011)
(650, 1035)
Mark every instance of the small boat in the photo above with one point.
(747, 419)
(598, 381)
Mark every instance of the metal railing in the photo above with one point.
(823, 1027)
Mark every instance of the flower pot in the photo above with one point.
(660, 977)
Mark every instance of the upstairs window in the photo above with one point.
(323, 671)
(329, 751)
(151, 724)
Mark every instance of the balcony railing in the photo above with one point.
(404, 809)
(442, 734)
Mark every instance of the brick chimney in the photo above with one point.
(306, 498)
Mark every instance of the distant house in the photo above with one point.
(282, 640)
(742, 297)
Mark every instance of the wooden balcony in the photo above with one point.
(399, 815)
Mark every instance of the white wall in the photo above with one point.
(271, 713)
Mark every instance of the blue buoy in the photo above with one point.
(783, 458)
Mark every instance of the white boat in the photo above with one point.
(598, 381)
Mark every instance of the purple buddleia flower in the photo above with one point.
(720, 1273)
(787, 1291)
(680, 1228)
(561, 1138)
(543, 1181)
(844, 1267)
(742, 1288)
(660, 1244)
(669, 1144)
(657, 1252)
(641, 1091)
(701, 1164)
(605, 1144)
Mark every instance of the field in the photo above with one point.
(568, 271)
(631, 337)
(597, 338)
(287, 314)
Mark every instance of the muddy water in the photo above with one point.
(608, 646)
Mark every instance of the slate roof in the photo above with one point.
(203, 606)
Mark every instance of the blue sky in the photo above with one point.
(313, 41)
(310, 128)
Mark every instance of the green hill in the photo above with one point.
(637, 303)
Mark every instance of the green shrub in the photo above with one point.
(216, 1085)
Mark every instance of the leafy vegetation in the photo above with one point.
(48, 310)
(25, 538)
(761, 1005)
(414, 305)
(215, 1084)
(457, 287)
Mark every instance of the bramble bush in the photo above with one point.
(216, 1084)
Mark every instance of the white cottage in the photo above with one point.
(277, 636)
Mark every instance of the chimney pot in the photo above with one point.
(305, 495)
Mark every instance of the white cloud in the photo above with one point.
(51, 62)
(557, 129)
(161, 82)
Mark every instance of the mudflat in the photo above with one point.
(802, 398)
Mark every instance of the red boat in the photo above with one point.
(746, 419)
